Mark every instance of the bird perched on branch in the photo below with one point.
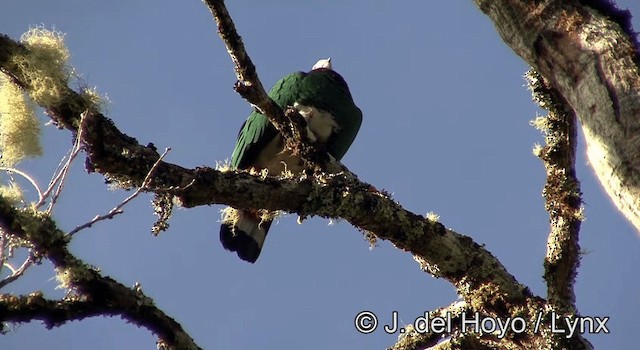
(323, 99)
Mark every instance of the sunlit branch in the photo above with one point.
(16, 273)
(62, 174)
(561, 193)
(291, 125)
(27, 177)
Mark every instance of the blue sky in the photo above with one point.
(446, 129)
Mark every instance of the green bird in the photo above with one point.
(322, 97)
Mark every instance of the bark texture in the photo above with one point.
(589, 63)
(588, 52)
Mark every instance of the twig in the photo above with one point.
(56, 173)
(96, 294)
(62, 175)
(26, 176)
(17, 273)
(118, 209)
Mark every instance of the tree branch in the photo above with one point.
(444, 253)
(16, 273)
(478, 276)
(104, 293)
(561, 192)
(412, 339)
(54, 313)
(291, 125)
(118, 208)
(562, 195)
(27, 177)
(593, 63)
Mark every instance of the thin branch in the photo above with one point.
(63, 160)
(55, 177)
(561, 192)
(104, 293)
(26, 176)
(292, 126)
(118, 208)
(62, 174)
(15, 274)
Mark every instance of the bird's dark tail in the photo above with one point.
(244, 232)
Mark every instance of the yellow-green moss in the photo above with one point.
(67, 277)
(230, 216)
(19, 126)
(224, 165)
(99, 101)
(431, 216)
(11, 193)
(537, 150)
(45, 68)
(540, 123)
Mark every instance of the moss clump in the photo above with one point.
(100, 102)
(46, 66)
(11, 193)
(19, 126)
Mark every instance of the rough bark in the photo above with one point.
(568, 43)
(91, 293)
(478, 276)
(586, 50)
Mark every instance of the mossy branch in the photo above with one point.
(561, 193)
(478, 276)
(106, 296)
(443, 253)
(53, 313)
(589, 54)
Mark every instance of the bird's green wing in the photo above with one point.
(258, 131)
(325, 89)
(321, 88)
(254, 135)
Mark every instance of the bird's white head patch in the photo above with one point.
(323, 63)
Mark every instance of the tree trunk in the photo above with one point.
(585, 51)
